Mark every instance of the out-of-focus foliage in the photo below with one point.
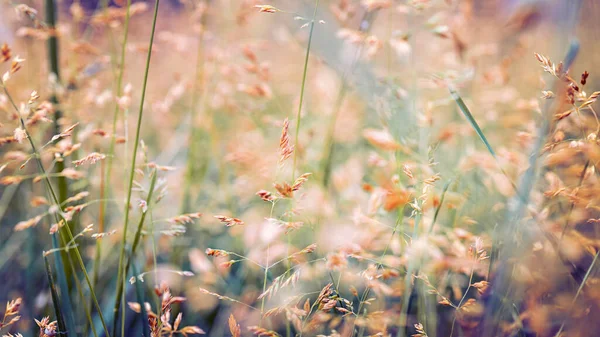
(298, 168)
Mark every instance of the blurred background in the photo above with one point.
(329, 168)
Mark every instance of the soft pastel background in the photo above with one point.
(410, 212)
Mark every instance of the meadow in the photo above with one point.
(299, 168)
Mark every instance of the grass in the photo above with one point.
(121, 273)
(55, 299)
(380, 225)
(111, 151)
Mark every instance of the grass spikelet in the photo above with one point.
(229, 222)
(285, 148)
(234, 328)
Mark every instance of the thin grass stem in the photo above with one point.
(120, 272)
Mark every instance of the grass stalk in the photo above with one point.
(98, 252)
(111, 150)
(54, 63)
(54, 66)
(464, 296)
(154, 260)
(303, 87)
(298, 122)
(264, 288)
(106, 177)
(120, 273)
(138, 233)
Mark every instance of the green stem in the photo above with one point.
(54, 65)
(262, 303)
(138, 233)
(464, 296)
(304, 73)
(120, 273)
(55, 69)
(136, 240)
(298, 119)
(111, 151)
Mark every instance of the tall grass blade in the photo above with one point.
(65, 305)
(82, 300)
(55, 298)
(303, 86)
(54, 66)
(467, 113)
(108, 173)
